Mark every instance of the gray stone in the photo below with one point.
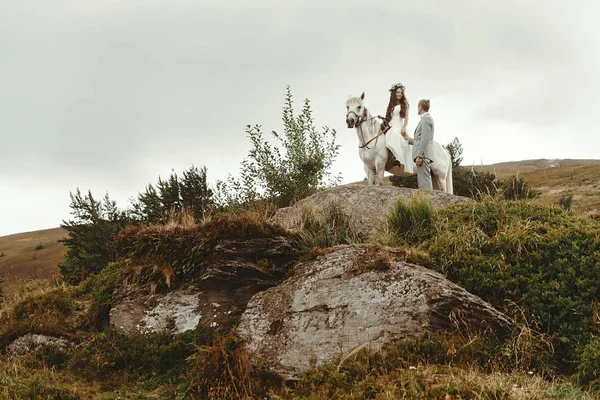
(31, 342)
(346, 299)
(235, 272)
(365, 204)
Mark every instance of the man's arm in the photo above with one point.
(426, 136)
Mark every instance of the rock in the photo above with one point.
(31, 342)
(350, 298)
(236, 271)
(365, 204)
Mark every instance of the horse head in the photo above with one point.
(355, 110)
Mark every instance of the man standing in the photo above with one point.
(422, 146)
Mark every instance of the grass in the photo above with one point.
(180, 253)
(23, 258)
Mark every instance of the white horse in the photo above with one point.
(377, 158)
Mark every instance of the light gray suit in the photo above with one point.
(422, 147)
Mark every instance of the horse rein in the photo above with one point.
(359, 123)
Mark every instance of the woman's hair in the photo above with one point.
(425, 103)
(394, 102)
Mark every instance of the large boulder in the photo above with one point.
(353, 297)
(365, 204)
(236, 272)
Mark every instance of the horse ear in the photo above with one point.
(362, 96)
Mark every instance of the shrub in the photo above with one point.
(589, 369)
(331, 228)
(412, 220)
(45, 314)
(302, 169)
(516, 188)
(109, 357)
(565, 201)
(537, 256)
(169, 253)
(469, 183)
(100, 288)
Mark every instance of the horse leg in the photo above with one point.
(449, 183)
(380, 168)
(370, 175)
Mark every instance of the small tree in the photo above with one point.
(455, 149)
(174, 195)
(297, 168)
(91, 233)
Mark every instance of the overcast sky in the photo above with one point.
(108, 95)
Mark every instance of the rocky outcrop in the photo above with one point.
(31, 342)
(355, 296)
(366, 205)
(236, 271)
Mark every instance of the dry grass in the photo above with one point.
(582, 181)
(17, 291)
(19, 381)
(22, 261)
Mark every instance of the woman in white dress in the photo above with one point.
(397, 116)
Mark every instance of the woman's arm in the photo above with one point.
(406, 119)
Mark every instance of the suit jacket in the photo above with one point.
(423, 139)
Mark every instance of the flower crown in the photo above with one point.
(396, 86)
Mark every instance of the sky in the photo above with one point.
(108, 95)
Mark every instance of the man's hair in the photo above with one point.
(425, 103)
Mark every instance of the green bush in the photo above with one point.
(469, 183)
(100, 288)
(539, 257)
(516, 188)
(109, 356)
(589, 369)
(169, 253)
(565, 201)
(331, 228)
(412, 220)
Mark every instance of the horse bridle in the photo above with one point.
(358, 118)
(358, 124)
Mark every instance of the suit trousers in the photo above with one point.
(424, 175)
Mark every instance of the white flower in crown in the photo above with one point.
(396, 86)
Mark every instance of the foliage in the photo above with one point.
(565, 201)
(189, 193)
(302, 169)
(468, 183)
(411, 220)
(46, 313)
(590, 364)
(455, 149)
(108, 355)
(409, 181)
(433, 367)
(331, 228)
(168, 253)
(100, 288)
(90, 236)
(539, 257)
(516, 188)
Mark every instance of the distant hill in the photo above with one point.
(31, 255)
(504, 169)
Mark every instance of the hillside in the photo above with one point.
(31, 255)
(508, 168)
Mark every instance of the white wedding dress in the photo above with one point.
(398, 145)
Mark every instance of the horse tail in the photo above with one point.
(449, 185)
